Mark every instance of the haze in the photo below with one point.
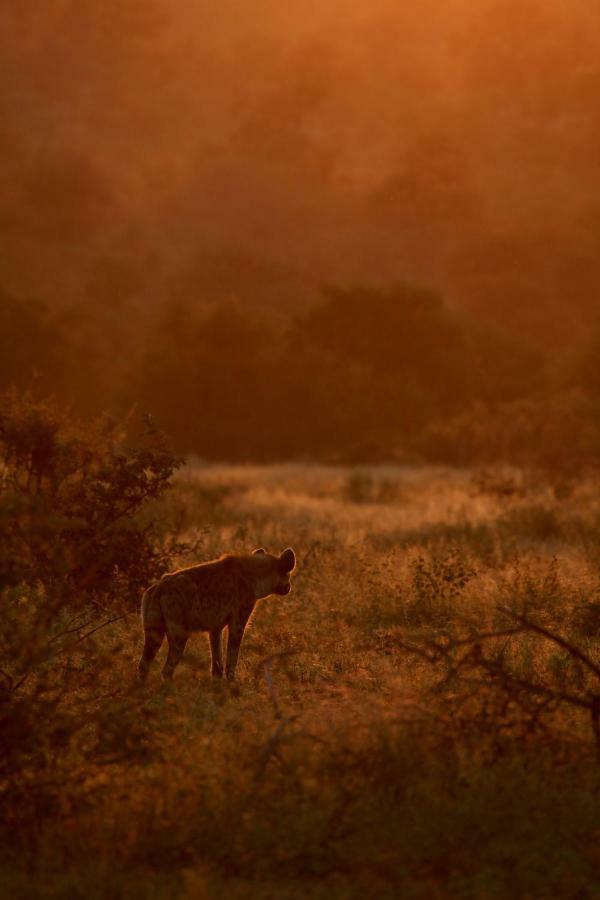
(197, 154)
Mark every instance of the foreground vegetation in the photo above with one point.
(376, 742)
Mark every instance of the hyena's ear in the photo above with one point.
(287, 560)
(260, 550)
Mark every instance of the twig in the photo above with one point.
(93, 631)
(267, 664)
(270, 748)
(551, 636)
(71, 630)
(433, 651)
(474, 659)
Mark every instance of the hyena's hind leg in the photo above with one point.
(153, 638)
(177, 640)
(216, 652)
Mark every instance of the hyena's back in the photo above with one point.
(198, 598)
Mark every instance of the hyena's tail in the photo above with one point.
(154, 628)
(151, 612)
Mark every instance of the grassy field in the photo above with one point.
(353, 757)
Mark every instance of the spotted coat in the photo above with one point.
(210, 597)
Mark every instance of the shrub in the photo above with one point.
(557, 435)
(437, 587)
(69, 501)
(74, 553)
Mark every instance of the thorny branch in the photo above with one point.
(529, 625)
(267, 664)
(13, 685)
(466, 655)
(273, 743)
(97, 628)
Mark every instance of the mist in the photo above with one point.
(182, 153)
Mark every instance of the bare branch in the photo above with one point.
(71, 630)
(94, 630)
(552, 636)
(267, 665)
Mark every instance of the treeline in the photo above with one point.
(365, 374)
(178, 184)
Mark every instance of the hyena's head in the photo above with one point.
(272, 573)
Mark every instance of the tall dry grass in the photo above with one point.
(344, 761)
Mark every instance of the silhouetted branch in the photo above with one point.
(552, 636)
(472, 658)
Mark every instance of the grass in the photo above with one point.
(346, 766)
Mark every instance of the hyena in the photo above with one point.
(208, 597)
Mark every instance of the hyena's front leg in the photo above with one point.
(235, 633)
(177, 640)
(234, 641)
(216, 652)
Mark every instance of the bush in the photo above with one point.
(74, 554)
(555, 434)
(69, 502)
(437, 589)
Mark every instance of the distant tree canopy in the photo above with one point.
(359, 373)
(366, 373)
(411, 333)
(31, 346)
